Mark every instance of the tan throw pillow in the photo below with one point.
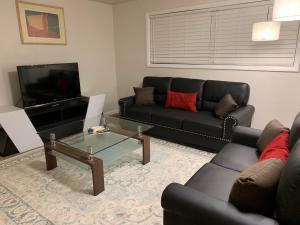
(144, 96)
(225, 106)
(271, 131)
(255, 189)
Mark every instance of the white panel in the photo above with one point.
(19, 128)
(94, 111)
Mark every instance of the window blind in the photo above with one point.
(234, 45)
(220, 36)
(181, 38)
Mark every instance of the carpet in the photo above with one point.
(30, 195)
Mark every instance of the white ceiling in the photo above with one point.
(112, 1)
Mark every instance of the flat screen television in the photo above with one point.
(43, 84)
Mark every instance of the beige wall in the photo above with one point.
(89, 27)
(274, 94)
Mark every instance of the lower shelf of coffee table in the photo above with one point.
(109, 155)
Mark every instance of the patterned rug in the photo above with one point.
(30, 195)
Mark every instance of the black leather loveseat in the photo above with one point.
(202, 128)
(203, 200)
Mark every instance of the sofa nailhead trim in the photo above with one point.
(225, 125)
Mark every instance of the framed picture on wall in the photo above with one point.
(41, 24)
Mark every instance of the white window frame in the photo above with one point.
(225, 4)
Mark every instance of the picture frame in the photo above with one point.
(41, 24)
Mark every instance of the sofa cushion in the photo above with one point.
(255, 189)
(270, 132)
(198, 122)
(143, 112)
(187, 86)
(215, 90)
(144, 96)
(170, 117)
(203, 122)
(236, 156)
(214, 180)
(161, 86)
(180, 100)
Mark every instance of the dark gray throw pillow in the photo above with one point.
(144, 96)
(225, 106)
(255, 189)
(271, 131)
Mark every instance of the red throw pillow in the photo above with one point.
(180, 100)
(278, 148)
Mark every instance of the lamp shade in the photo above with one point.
(286, 10)
(266, 31)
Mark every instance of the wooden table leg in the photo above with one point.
(146, 149)
(51, 161)
(98, 176)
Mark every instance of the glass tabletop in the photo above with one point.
(112, 131)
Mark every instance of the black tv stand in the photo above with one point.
(62, 118)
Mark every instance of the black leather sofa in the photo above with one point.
(202, 128)
(203, 200)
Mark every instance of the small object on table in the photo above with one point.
(96, 130)
(90, 131)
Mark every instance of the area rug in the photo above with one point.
(30, 195)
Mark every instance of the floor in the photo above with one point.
(33, 195)
(6, 157)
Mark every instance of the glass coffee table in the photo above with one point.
(100, 149)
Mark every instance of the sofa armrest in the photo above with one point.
(246, 136)
(124, 103)
(200, 208)
(242, 116)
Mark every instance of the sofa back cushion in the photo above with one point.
(214, 91)
(288, 194)
(161, 86)
(295, 132)
(189, 86)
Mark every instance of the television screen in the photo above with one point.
(42, 84)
